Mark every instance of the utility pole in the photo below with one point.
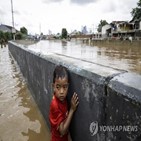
(13, 28)
(40, 28)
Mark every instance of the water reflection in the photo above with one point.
(123, 55)
(20, 118)
(119, 57)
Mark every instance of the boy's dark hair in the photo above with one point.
(60, 71)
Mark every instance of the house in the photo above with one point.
(137, 28)
(84, 30)
(136, 23)
(122, 29)
(125, 26)
(7, 28)
(119, 26)
(106, 30)
(116, 28)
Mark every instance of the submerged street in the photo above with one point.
(122, 57)
(20, 118)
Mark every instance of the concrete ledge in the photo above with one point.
(124, 107)
(87, 79)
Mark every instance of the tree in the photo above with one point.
(64, 33)
(1, 34)
(23, 30)
(19, 36)
(136, 12)
(8, 35)
(101, 24)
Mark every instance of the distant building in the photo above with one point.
(136, 23)
(122, 29)
(84, 30)
(123, 26)
(137, 28)
(7, 28)
(49, 32)
(106, 30)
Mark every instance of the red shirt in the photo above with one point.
(58, 113)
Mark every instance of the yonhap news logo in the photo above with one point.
(95, 127)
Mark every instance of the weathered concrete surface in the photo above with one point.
(89, 80)
(124, 107)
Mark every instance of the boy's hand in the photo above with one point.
(74, 102)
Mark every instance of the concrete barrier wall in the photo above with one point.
(96, 87)
(124, 107)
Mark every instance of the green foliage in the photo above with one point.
(136, 12)
(1, 35)
(23, 30)
(5, 35)
(8, 36)
(101, 24)
(139, 3)
(18, 36)
(64, 33)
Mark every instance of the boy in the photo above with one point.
(59, 116)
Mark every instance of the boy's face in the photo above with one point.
(61, 88)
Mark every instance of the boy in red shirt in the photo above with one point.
(59, 115)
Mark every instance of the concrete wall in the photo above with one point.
(105, 95)
(123, 107)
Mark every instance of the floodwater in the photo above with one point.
(122, 57)
(20, 118)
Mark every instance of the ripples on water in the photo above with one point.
(122, 57)
(20, 119)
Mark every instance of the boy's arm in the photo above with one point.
(64, 126)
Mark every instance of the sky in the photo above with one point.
(53, 15)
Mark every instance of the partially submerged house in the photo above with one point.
(122, 29)
(137, 27)
(136, 23)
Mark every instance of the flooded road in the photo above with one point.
(20, 118)
(123, 57)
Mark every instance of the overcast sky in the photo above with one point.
(44, 15)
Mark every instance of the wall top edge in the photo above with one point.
(79, 66)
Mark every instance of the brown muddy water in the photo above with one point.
(20, 118)
(123, 56)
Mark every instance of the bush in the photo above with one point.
(6, 36)
(1, 34)
(18, 36)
